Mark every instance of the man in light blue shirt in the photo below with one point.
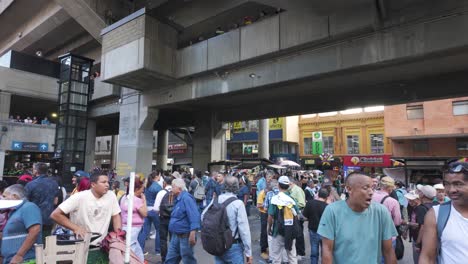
(357, 230)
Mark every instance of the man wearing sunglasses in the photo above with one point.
(446, 226)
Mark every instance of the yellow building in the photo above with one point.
(351, 132)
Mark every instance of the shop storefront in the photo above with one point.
(368, 164)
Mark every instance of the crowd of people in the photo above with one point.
(365, 224)
(29, 120)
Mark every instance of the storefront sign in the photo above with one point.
(317, 142)
(177, 148)
(368, 161)
(29, 146)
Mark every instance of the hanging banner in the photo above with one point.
(317, 142)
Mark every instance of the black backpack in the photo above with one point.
(216, 235)
(167, 204)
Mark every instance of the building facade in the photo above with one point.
(428, 134)
(346, 134)
(243, 136)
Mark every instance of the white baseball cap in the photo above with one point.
(439, 186)
(412, 195)
(284, 180)
(428, 191)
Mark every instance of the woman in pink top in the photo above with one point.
(139, 213)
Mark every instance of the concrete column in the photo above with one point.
(2, 163)
(135, 148)
(264, 139)
(162, 149)
(90, 144)
(114, 146)
(5, 99)
(209, 140)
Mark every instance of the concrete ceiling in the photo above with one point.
(56, 38)
(18, 13)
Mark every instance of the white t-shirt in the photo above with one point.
(90, 212)
(159, 196)
(454, 237)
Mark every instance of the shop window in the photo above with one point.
(99, 146)
(415, 111)
(420, 146)
(460, 107)
(352, 144)
(307, 146)
(108, 145)
(377, 143)
(328, 145)
(462, 143)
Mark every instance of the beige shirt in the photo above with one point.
(90, 212)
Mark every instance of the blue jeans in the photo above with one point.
(180, 249)
(234, 255)
(152, 218)
(315, 242)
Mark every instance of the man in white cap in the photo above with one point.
(426, 194)
(441, 197)
(446, 225)
(282, 224)
(416, 211)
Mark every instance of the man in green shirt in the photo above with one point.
(357, 230)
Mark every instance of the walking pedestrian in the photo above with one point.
(163, 206)
(357, 230)
(282, 224)
(91, 211)
(238, 224)
(139, 214)
(183, 225)
(44, 192)
(446, 225)
(313, 211)
(298, 195)
(152, 189)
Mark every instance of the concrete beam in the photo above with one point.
(28, 84)
(424, 40)
(4, 5)
(85, 15)
(48, 19)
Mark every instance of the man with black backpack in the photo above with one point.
(163, 206)
(225, 227)
(446, 225)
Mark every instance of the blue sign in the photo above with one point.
(29, 146)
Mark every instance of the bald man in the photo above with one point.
(357, 230)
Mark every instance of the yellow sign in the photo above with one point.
(123, 169)
(276, 123)
(237, 125)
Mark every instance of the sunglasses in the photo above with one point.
(457, 167)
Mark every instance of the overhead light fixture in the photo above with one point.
(54, 115)
(253, 75)
(39, 53)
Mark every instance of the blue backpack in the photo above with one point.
(442, 219)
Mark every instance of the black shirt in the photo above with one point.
(420, 212)
(313, 211)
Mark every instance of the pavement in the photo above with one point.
(204, 258)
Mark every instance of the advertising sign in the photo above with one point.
(367, 161)
(317, 142)
(276, 123)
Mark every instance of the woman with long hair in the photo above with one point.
(140, 212)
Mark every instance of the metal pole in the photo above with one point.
(131, 192)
